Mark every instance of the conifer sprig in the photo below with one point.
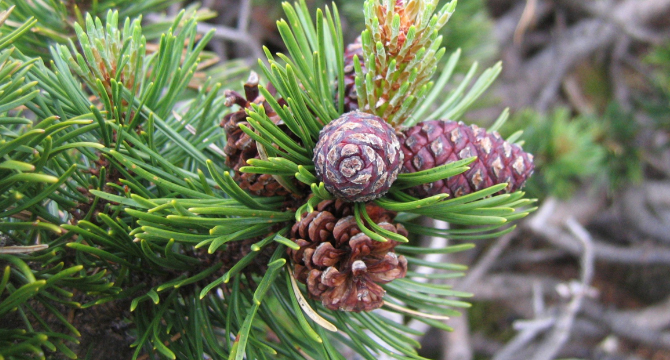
(35, 171)
(54, 20)
(115, 54)
(401, 47)
(284, 159)
(121, 176)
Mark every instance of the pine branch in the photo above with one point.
(401, 48)
(123, 176)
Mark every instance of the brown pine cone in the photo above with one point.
(240, 147)
(350, 95)
(357, 157)
(437, 142)
(342, 266)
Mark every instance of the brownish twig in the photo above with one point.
(526, 20)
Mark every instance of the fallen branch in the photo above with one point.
(561, 330)
(511, 286)
(540, 78)
(638, 254)
(621, 326)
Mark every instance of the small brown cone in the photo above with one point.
(342, 266)
(240, 147)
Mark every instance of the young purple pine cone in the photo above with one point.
(437, 142)
(357, 157)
